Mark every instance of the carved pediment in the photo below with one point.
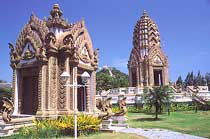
(28, 52)
(84, 55)
(157, 60)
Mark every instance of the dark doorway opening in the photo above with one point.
(30, 95)
(134, 79)
(81, 96)
(158, 78)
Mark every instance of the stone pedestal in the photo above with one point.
(17, 122)
(109, 126)
(121, 121)
(106, 124)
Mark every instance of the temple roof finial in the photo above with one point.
(144, 12)
(56, 12)
(56, 18)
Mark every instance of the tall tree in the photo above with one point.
(207, 78)
(179, 81)
(2, 81)
(198, 79)
(186, 81)
(157, 96)
(203, 81)
(191, 79)
(106, 81)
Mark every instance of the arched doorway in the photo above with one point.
(158, 77)
(29, 90)
(81, 96)
(134, 77)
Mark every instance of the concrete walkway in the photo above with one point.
(159, 133)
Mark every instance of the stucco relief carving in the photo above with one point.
(157, 60)
(53, 76)
(28, 52)
(84, 56)
(50, 38)
(28, 36)
(39, 26)
(68, 40)
(14, 56)
(62, 94)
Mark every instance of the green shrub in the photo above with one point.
(64, 125)
(181, 107)
(86, 124)
(115, 109)
(134, 109)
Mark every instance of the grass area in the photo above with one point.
(98, 136)
(186, 122)
(111, 136)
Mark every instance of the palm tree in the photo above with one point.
(157, 96)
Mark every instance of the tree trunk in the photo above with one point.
(156, 110)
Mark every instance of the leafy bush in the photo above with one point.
(181, 107)
(86, 124)
(115, 109)
(64, 125)
(133, 109)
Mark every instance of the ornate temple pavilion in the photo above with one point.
(147, 65)
(43, 51)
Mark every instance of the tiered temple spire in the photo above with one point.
(147, 65)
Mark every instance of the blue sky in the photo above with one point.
(184, 27)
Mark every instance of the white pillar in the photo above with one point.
(16, 94)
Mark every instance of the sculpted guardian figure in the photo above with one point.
(8, 109)
(105, 107)
(123, 107)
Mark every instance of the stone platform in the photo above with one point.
(109, 126)
(16, 123)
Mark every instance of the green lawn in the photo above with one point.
(110, 136)
(96, 136)
(185, 122)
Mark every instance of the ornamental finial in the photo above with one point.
(56, 12)
(144, 12)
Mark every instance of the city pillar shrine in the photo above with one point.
(43, 51)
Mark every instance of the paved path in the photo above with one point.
(159, 133)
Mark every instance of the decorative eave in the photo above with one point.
(39, 26)
(14, 56)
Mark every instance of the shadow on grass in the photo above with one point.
(148, 119)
